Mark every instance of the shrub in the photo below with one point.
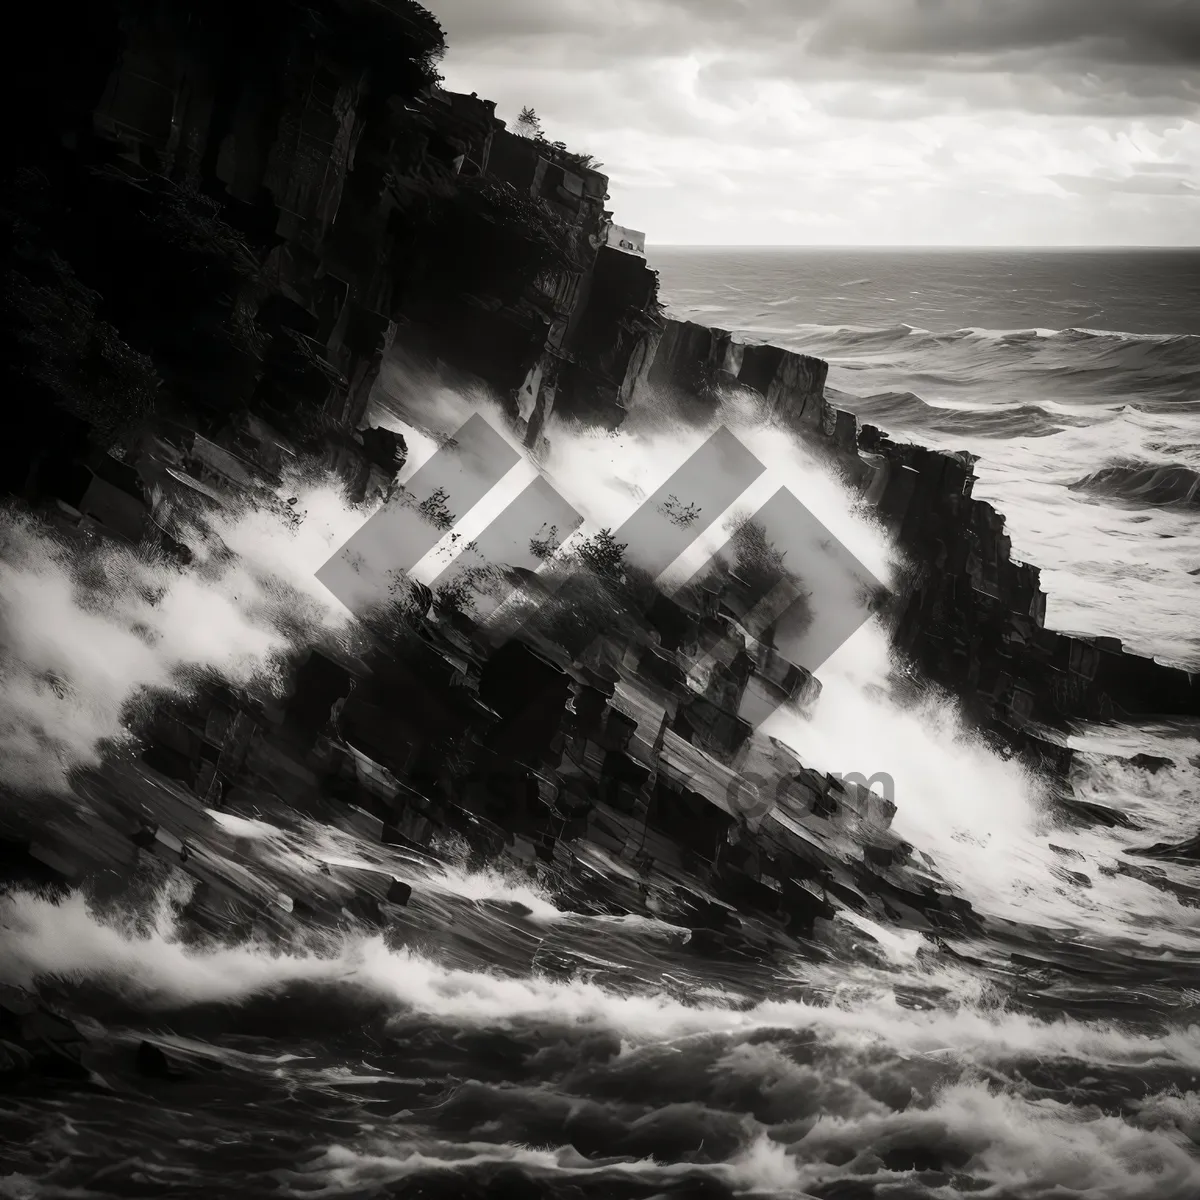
(59, 344)
(479, 237)
(603, 554)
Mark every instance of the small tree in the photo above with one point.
(529, 123)
(679, 513)
(756, 558)
(543, 546)
(433, 509)
(603, 554)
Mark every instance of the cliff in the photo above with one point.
(299, 168)
(220, 221)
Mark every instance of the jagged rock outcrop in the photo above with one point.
(975, 619)
(615, 317)
(214, 144)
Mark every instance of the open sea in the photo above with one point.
(1074, 375)
(505, 1040)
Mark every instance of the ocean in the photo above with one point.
(510, 1037)
(1073, 375)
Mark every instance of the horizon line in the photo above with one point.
(913, 246)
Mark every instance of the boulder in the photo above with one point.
(1151, 762)
(1185, 851)
(365, 908)
(154, 1063)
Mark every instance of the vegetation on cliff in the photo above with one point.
(481, 237)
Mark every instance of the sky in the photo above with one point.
(860, 122)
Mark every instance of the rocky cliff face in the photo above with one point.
(299, 168)
(219, 220)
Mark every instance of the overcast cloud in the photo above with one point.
(888, 122)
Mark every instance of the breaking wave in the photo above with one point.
(1102, 346)
(905, 409)
(1144, 483)
(843, 1076)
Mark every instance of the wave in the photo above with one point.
(1001, 385)
(905, 409)
(1144, 483)
(1004, 335)
(66, 940)
(849, 337)
(836, 1078)
(1076, 334)
(1068, 335)
(87, 634)
(968, 1133)
(1154, 361)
